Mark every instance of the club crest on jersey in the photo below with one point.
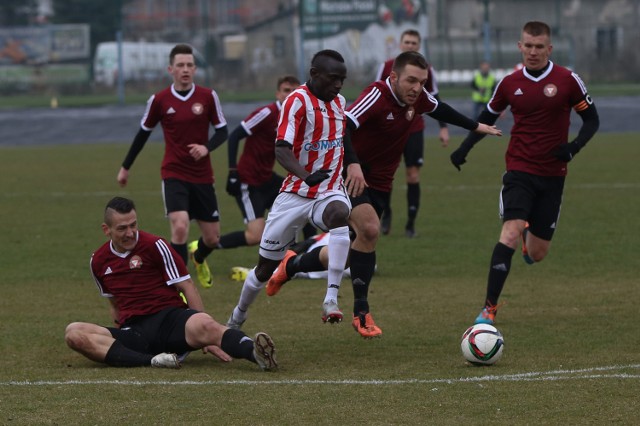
(135, 262)
(550, 90)
(410, 113)
(197, 108)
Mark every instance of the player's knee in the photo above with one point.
(211, 241)
(74, 336)
(368, 231)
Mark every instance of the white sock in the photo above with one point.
(250, 290)
(338, 247)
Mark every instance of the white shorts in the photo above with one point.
(289, 213)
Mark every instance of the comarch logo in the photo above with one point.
(323, 145)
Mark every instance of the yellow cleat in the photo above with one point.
(239, 273)
(202, 269)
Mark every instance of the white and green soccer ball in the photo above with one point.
(482, 344)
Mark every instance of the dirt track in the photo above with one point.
(119, 124)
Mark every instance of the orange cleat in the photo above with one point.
(279, 276)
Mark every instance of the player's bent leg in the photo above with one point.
(253, 231)
(202, 330)
(91, 340)
(537, 248)
(179, 222)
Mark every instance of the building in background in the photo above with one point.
(245, 43)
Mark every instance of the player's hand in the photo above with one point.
(355, 182)
(217, 352)
(459, 157)
(316, 177)
(444, 136)
(566, 151)
(123, 177)
(233, 183)
(488, 130)
(197, 151)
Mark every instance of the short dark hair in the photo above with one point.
(537, 28)
(327, 53)
(119, 204)
(409, 58)
(180, 49)
(410, 32)
(291, 79)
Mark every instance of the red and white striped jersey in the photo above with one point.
(315, 129)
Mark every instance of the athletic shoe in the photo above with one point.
(488, 314)
(202, 269)
(525, 253)
(385, 223)
(264, 352)
(330, 312)
(236, 321)
(364, 324)
(410, 231)
(165, 360)
(239, 274)
(279, 276)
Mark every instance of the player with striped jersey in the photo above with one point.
(310, 145)
(541, 96)
(380, 124)
(251, 179)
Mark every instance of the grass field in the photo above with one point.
(570, 322)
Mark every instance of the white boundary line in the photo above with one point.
(554, 375)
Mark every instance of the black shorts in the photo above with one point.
(379, 200)
(153, 334)
(535, 199)
(197, 199)
(414, 150)
(254, 201)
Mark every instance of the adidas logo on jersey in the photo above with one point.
(171, 110)
(390, 116)
(108, 271)
(518, 92)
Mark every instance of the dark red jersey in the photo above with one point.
(258, 156)
(541, 108)
(141, 280)
(383, 126)
(431, 85)
(185, 120)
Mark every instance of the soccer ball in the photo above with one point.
(482, 344)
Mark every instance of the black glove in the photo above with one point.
(566, 151)
(316, 177)
(233, 183)
(459, 156)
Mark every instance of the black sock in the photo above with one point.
(362, 268)
(233, 240)
(119, 355)
(202, 252)
(498, 272)
(307, 262)
(237, 344)
(309, 231)
(181, 249)
(413, 201)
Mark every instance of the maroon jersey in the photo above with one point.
(431, 85)
(541, 108)
(258, 156)
(185, 120)
(383, 127)
(141, 280)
